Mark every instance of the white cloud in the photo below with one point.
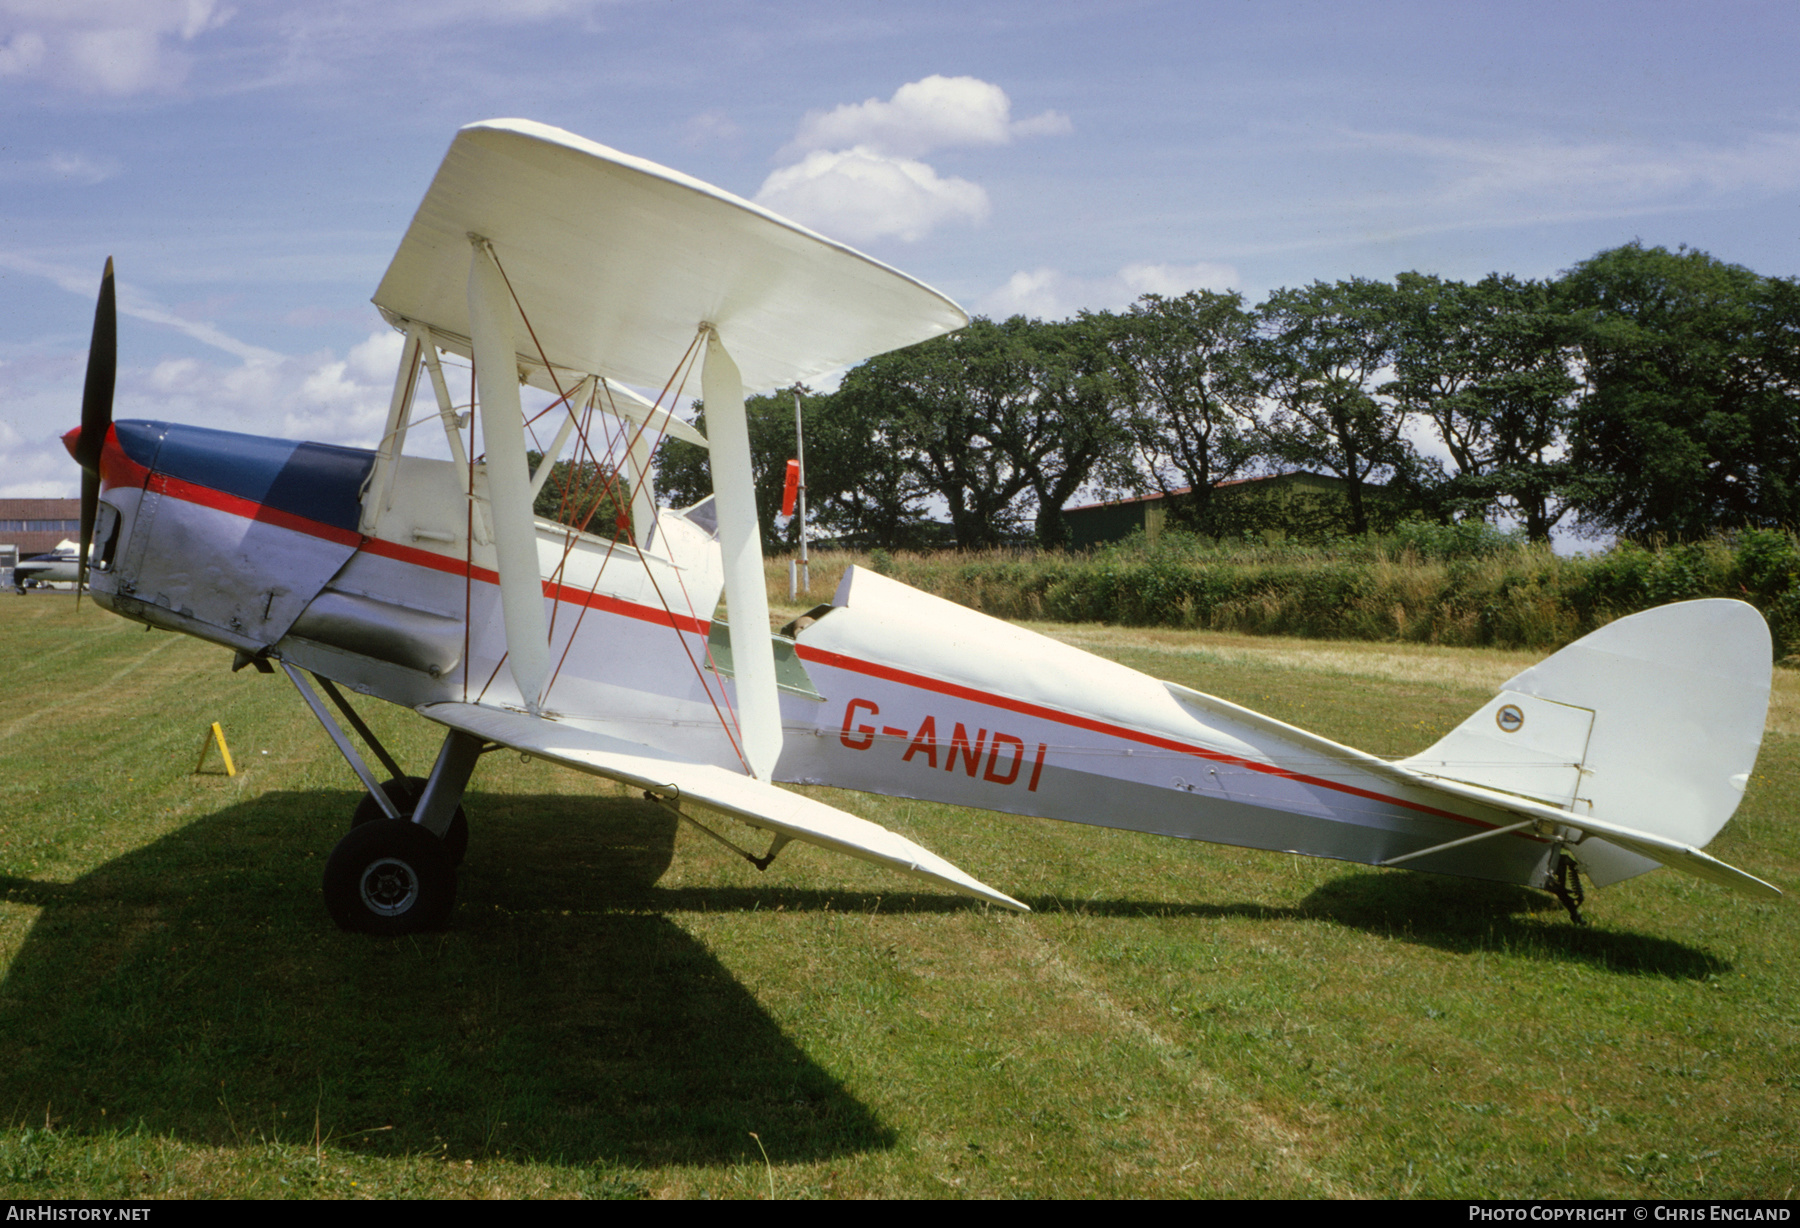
(34, 468)
(116, 47)
(41, 488)
(347, 401)
(935, 113)
(859, 176)
(317, 396)
(859, 195)
(1171, 279)
(1034, 294)
(376, 357)
(1048, 294)
(79, 168)
(324, 397)
(320, 396)
(199, 330)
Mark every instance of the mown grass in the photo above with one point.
(622, 1009)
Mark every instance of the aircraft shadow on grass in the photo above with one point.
(198, 987)
(1469, 915)
(1451, 914)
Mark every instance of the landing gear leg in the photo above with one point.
(404, 792)
(396, 875)
(1565, 885)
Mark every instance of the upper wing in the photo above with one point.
(752, 801)
(617, 260)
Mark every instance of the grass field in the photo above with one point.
(621, 1008)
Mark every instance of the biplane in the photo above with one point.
(540, 259)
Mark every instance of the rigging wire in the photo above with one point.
(609, 483)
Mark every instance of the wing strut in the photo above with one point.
(509, 477)
(583, 391)
(740, 540)
(378, 493)
(345, 747)
(453, 434)
(1455, 844)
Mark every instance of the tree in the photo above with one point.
(953, 404)
(1181, 368)
(1488, 365)
(861, 483)
(591, 497)
(1318, 355)
(1073, 424)
(996, 420)
(684, 472)
(1690, 420)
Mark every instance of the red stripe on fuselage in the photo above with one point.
(957, 691)
(205, 496)
(249, 509)
(554, 591)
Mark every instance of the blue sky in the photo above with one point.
(252, 165)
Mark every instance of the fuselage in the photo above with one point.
(255, 544)
(60, 566)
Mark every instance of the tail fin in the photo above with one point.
(1651, 723)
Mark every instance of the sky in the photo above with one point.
(252, 166)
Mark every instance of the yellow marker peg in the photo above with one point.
(215, 734)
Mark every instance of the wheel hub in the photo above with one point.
(389, 887)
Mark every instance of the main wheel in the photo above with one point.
(405, 792)
(389, 879)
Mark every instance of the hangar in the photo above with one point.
(34, 526)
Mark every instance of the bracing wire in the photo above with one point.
(608, 485)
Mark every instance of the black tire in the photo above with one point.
(405, 792)
(389, 879)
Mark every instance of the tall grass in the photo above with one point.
(1460, 586)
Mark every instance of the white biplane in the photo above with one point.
(544, 259)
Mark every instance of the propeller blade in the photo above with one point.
(90, 507)
(103, 365)
(96, 413)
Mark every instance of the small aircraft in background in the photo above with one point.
(60, 566)
(540, 258)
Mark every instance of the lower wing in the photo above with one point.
(716, 788)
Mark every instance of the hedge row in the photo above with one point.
(1428, 584)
